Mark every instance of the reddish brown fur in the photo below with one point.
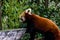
(44, 24)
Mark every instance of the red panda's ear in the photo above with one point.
(28, 11)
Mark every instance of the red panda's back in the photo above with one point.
(44, 23)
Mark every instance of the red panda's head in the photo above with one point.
(24, 15)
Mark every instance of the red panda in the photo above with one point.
(36, 23)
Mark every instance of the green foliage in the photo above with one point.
(11, 10)
(25, 37)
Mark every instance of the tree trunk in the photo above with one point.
(0, 14)
(46, 3)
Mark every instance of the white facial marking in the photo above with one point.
(29, 11)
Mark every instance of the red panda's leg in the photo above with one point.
(32, 35)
